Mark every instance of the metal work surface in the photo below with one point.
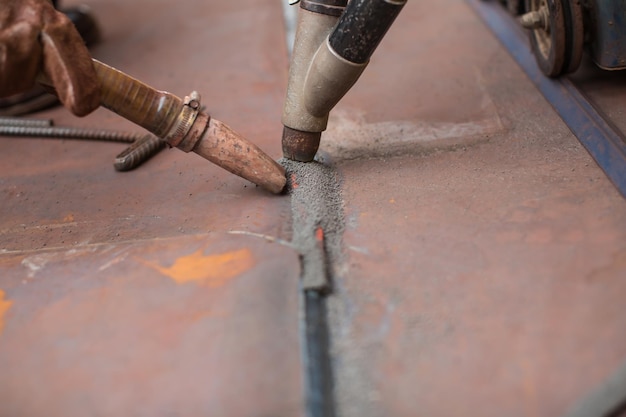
(63, 193)
(484, 249)
(181, 326)
(453, 251)
(127, 293)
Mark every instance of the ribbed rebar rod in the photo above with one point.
(139, 152)
(21, 121)
(53, 132)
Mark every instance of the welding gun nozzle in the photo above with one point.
(299, 145)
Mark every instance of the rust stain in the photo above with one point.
(209, 270)
(540, 236)
(4, 307)
(609, 272)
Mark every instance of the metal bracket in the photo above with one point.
(186, 119)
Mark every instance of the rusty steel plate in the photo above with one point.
(62, 193)
(484, 249)
(178, 326)
(139, 293)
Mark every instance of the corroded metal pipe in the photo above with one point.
(155, 111)
(181, 124)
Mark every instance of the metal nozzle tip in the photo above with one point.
(300, 146)
(226, 148)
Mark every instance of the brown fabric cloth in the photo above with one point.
(35, 38)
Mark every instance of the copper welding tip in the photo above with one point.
(299, 145)
(226, 148)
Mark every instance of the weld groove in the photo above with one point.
(316, 203)
(318, 225)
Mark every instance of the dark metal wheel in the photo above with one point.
(575, 35)
(557, 34)
(547, 35)
(515, 7)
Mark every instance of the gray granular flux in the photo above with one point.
(316, 202)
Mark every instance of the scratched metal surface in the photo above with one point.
(57, 193)
(483, 271)
(95, 313)
(182, 326)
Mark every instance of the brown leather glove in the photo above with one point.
(35, 38)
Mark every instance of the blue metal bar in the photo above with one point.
(608, 399)
(605, 143)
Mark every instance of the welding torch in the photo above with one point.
(183, 124)
(334, 42)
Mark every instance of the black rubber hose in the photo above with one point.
(362, 26)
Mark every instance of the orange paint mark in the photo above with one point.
(69, 218)
(294, 183)
(209, 270)
(4, 307)
(392, 201)
(319, 234)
